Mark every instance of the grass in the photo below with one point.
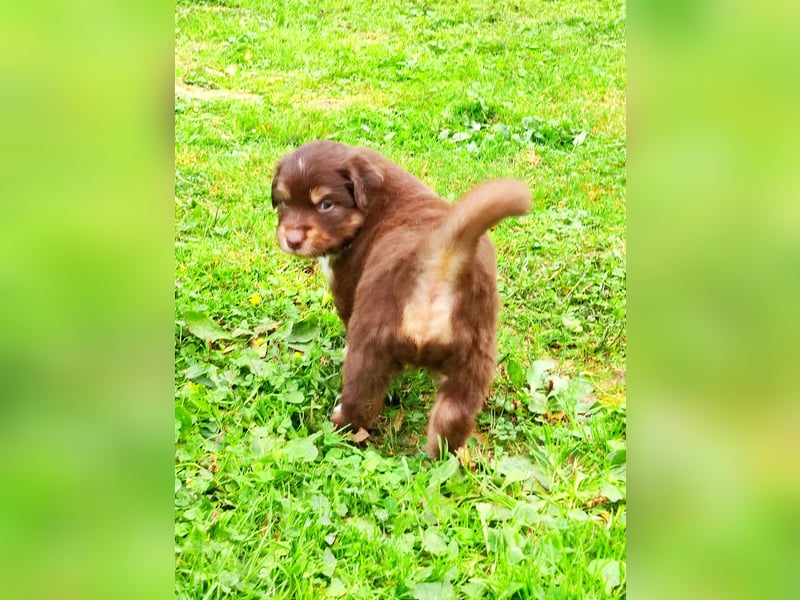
(270, 502)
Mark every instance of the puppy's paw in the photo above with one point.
(436, 448)
(357, 434)
(349, 416)
(338, 416)
(341, 419)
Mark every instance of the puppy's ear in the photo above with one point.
(364, 177)
(275, 182)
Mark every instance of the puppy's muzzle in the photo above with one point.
(295, 238)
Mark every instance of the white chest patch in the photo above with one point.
(325, 266)
(427, 317)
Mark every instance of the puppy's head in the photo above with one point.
(322, 193)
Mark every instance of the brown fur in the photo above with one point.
(412, 276)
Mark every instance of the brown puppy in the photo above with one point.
(412, 276)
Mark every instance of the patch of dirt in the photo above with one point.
(329, 103)
(194, 92)
(371, 98)
(612, 386)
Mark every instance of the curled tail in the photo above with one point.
(479, 209)
(484, 206)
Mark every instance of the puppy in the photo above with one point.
(412, 276)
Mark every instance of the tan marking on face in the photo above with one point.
(281, 234)
(316, 194)
(283, 190)
(318, 241)
(354, 221)
(314, 244)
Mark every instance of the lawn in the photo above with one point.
(270, 501)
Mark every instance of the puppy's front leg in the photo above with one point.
(367, 373)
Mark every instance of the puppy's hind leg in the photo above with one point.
(458, 401)
(367, 373)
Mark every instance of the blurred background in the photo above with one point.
(86, 203)
(714, 282)
(86, 278)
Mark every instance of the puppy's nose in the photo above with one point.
(295, 238)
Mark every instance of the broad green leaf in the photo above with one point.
(619, 472)
(558, 385)
(262, 443)
(608, 571)
(440, 590)
(443, 471)
(514, 544)
(538, 403)
(241, 332)
(301, 348)
(474, 588)
(433, 543)
(195, 370)
(303, 332)
(617, 459)
(515, 373)
(404, 542)
(494, 540)
(293, 397)
(515, 468)
(203, 327)
(528, 513)
(183, 416)
(337, 589)
(492, 512)
(249, 359)
(328, 562)
(366, 528)
(580, 138)
(520, 468)
(572, 324)
(612, 492)
(301, 449)
(372, 461)
(617, 444)
(618, 454)
(202, 374)
(537, 373)
(576, 389)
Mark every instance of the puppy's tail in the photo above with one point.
(479, 209)
(484, 206)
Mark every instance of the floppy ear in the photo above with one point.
(275, 182)
(365, 177)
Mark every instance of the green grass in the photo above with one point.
(270, 502)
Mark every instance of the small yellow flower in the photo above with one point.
(255, 299)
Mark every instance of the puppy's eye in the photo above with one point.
(324, 206)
